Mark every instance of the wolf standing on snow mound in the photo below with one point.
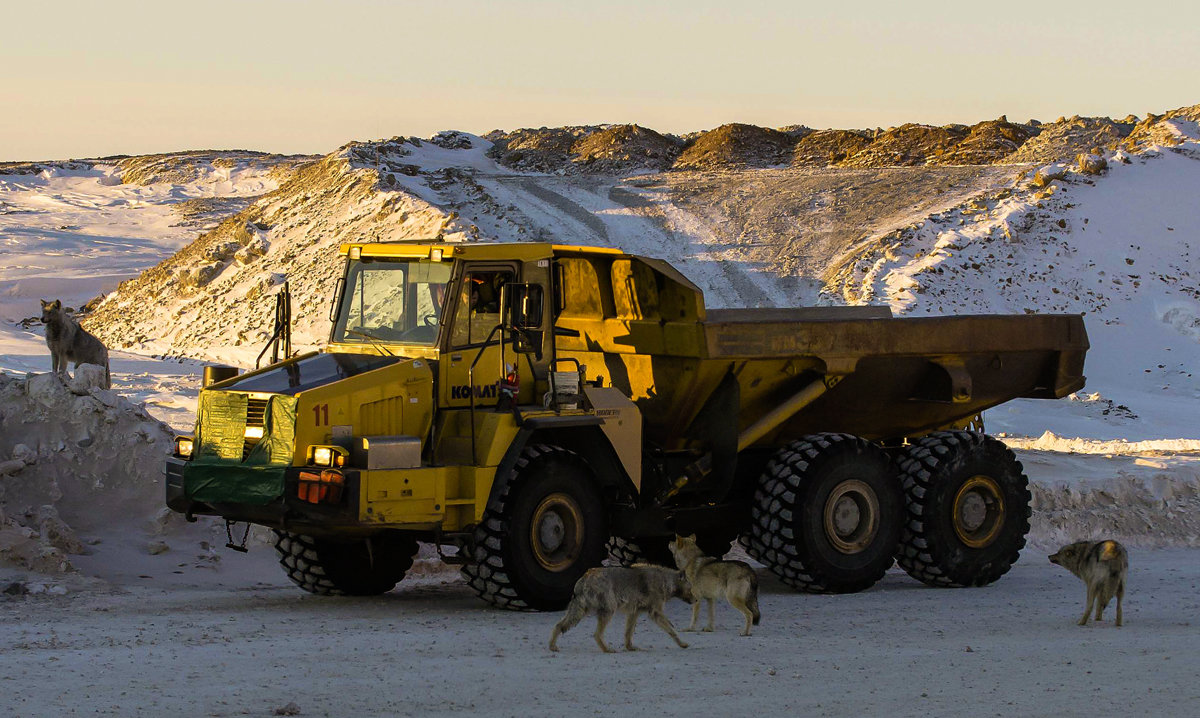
(1102, 565)
(70, 342)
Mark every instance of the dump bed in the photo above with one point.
(883, 377)
(898, 376)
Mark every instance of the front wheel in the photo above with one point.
(547, 527)
(360, 567)
(968, 509)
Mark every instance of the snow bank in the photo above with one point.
(1151, 503)
(1049, 441)
(75, 459)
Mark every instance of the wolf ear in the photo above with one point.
(56, 304)
(44, 303)
(692, 538)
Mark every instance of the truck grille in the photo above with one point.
(256, 415)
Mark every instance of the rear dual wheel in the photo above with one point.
(832, 510)
(967, 513)
(826, 515)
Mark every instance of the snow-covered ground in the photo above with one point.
(243, 642)
(154, 608)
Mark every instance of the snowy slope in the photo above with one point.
(77, 233)
(1121, 247)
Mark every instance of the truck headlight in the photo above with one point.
(326, 456)
(184, 446)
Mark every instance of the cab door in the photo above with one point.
(474, 339)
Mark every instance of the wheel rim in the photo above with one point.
(851, 516)
(978, 513)
(556, 532)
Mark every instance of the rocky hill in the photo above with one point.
(625, 149)
(908, 145)
(736, 146)
(547, 149)
(184, 167)
(828, 148)
(1067, 137)
(988, 143)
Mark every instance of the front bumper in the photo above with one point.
(286, 512)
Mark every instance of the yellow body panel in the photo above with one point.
(452, 250)
(406, 497)
(394, 400)
(452, 496)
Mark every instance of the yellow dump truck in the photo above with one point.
(531, 409)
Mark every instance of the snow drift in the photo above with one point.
(75, 459)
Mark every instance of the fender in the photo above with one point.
(581, 434)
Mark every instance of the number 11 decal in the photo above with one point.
(321, 414)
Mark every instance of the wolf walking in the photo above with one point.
(632, 591)
(711, 578)
(70, 342)
(1102, 565)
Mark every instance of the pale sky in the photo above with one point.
(82, 79)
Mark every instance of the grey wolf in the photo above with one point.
(632, 591)
(70, 342)
(712, 578)
(1102, 565)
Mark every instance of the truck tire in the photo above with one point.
(826, 515)
(967, 509)
(654, 550)
(352, 568)
(547, 528)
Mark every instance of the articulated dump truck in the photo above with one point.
(532, 409)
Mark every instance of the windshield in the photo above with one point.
(392, 301)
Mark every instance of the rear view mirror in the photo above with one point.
(525, 308)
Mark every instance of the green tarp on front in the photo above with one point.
(218, 474)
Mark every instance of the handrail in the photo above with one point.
(471, 379)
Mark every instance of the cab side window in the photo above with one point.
(478, 305)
